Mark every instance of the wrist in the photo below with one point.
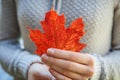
(25, 61)
(32, 67)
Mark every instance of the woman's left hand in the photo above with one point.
(68, 65)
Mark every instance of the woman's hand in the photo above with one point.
(68, 65)
(39, 72)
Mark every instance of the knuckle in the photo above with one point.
(66, 66)
(89, 72)
(90, 60)
(69, 66)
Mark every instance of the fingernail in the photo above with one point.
(50, 51)
(44, 56)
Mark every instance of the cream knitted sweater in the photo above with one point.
(102, 20)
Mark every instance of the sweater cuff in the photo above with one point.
(98, 67)
(25, 61)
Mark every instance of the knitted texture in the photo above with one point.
(102, 25)
(93, 13)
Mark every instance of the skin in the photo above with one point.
(68, 65)
(39, 71)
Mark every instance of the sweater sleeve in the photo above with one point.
(107, 66)
(13, 58)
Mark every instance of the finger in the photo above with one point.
(68, 65)
(40, 72)
(71, 75)
(72, 56)
(58, 76)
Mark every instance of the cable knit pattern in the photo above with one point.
(102, 26)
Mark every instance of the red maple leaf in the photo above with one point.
(55, 34)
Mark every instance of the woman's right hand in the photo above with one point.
(39, 71)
